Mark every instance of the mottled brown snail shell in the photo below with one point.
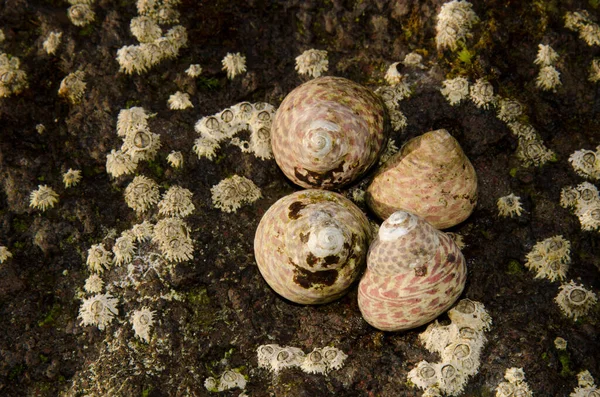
(414, 273)
(431, 177)
(328, 132)
(310, 246)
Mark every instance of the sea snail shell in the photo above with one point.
(414, 273)
(328, 132)
(430, 177)
(310, 246)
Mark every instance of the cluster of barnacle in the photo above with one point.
(256, 118)
(228, 380)
(459, 344)
(72, 87)
(139, 143)
(234, 64)
(514, 384)
(586, 386)
(52, 42)
(319, 361)
(80, 13)
(312, 63)
(548, 77)
(586, 163)
(580, 21)
(550, 258)
(153, 47)
(229, 194)
(584, 200)
(455, 20)
(13, 80)
(509, 205)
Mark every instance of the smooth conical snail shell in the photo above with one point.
(430, 177)
(414, 273)
(328, 132)
(310, 246)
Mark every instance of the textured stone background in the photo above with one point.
(227, 310)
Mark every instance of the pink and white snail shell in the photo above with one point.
(414, 273)
(328, 132)
(430, 177)
(310, 246)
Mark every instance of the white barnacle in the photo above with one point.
(206, 147)
(594, 75)
(231, 380)
(482, 94)
(145, 29)
(72, 87)
(130, 120)
(390, 150)
(229, 194)
(173, 238)
(141, 144)
(180, 101)
(284, 357)
(43, 198)
(546, 56)
(234, 64)
(141, 193)
(569, 196)
(312, 62)
(574, 300)
(98, 258)
(314, 362)
(560, 343)
(260, 142)
(132, 58)
(194, 70)
(522, 130)
(143, 231)
(4, 254)
(124, 249)
(52, 42)
(334, 358)
(210, 127)
(550, 258)
(413, 60)
(509, 206)
(398, 120)
(472, 314)
(424, 375)
(93, 284)
(71, 177)
(178, 38)
(455, 90)
(454, 23)
(119, 163)
(509, 110)
(548, 78)
(452, 381)
(585, 379)
(98, 310)
(13, 80)
(175, 159)
(590, 33)
(176, 201)
(156, 51)
(533, 152)
(142, 321)
(81, 14)
(586, 163)
(392, 76)
(575, 20)
(589, 215)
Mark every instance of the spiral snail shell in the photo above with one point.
(430, 177)
(414, 273)
(310, 246)
(328, 132)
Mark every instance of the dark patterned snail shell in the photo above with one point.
(310, 246)
(328, 132)
(431, 176)
(414, 273)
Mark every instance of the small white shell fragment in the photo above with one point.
(43, 197)
(312, 63)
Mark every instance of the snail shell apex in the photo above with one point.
(414, 273)
(430, 177)
(328, 132)
(310, 246)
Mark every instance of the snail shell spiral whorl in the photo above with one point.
(310, 246)
(414, 273)
(328, 131)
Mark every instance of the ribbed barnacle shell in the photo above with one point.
(310, 246)
(414, 274)
(430, 177)
(327, 132)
